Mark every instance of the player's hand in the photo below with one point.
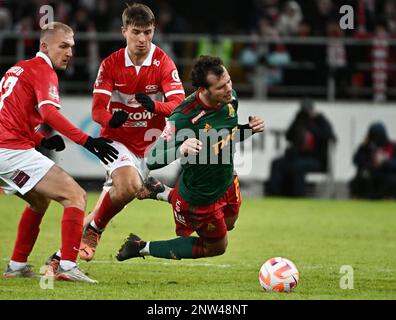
(190, 146)
(118, 119)
(101, 148)
(145, 101)
(53, 143)
(256, 124)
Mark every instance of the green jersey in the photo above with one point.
(207, 176)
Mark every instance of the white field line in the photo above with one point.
(214, 265)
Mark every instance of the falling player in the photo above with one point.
(206, 198)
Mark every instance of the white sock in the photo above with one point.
(14, 265)
(163, 196)
(146, 250)
(67, 264)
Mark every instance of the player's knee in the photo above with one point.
(78, 198)
(126, 193)
(220, 250)
(216, 249)
(230, 222)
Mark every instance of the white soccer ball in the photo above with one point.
(278, 274)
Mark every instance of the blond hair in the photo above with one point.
(52, 27)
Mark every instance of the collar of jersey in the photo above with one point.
(147, 62)
(206, 106)
(45, 57)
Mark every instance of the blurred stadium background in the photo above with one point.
(278, 52)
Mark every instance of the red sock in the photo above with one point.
(28, 230)
(72, 227)
(106, 211)
(198, 249)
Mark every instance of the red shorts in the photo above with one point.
(207, 221)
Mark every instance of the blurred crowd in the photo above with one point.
(265, 17)
(311, 144)
(348, 70)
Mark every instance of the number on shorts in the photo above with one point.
(6, 84)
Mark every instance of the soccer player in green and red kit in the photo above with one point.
(206, 199)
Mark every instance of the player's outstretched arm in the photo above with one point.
(162, 153)
(100, 147)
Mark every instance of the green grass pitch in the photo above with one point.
(319, 236)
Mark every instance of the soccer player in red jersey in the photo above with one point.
(29, 97)
(206, 198)
(126, 105)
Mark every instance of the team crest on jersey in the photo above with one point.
(231, 110)
(175, 76)
(168, 132)
(207, 127)
(53, 92)
(211, 227)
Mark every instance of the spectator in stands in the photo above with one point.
(5, 19)
(337, 58)
(375, 160)
(86, 52)
(309, 135)
(380, 56)
(390, 16)
(268, 9)
(276, 60)
(5, 25)
(325, 12)
(290, 19)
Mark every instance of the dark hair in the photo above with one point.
(377, 134)
(202, 67)
(137, 14)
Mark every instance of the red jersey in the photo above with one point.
(120, 79)
(26, 87)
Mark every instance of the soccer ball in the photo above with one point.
(278, 274)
